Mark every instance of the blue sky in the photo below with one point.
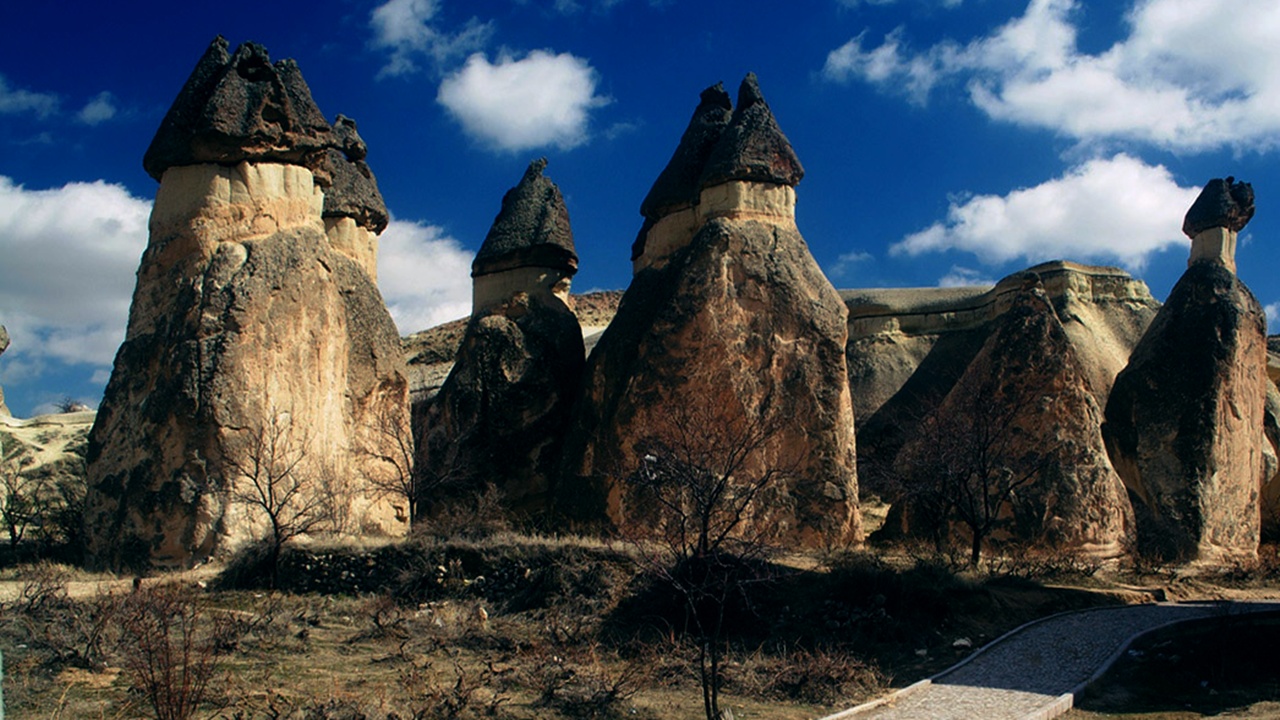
(945, 141)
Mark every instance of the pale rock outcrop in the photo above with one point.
(1028, 398)
(907, 347)
(244, 318)
(4, 345)
(501, 414)
(1185, 422)
(740, 323)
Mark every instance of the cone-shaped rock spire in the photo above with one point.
(677, 186)
(531, 230)
(353, 191)
(752, 147)
(1222, 203)
(241, 107)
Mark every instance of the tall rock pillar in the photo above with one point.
(500, 416)
(245, 319)
(728, 328)
(1185, 419)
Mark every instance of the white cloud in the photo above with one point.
(98, 110)
(845, 262)
(541, 99)
(13, 101)
(1273, 314)
(1191, 75)
(424, 275)
(959, 276)
(68, 273)
(407, 29)
(1113, 210)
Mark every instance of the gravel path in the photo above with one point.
(1033, 672)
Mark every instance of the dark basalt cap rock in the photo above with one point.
(752, 147)
(532, 229)
(1222, 203)
(241, 107)
(677, 184)
(353, 191)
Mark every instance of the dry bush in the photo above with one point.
(581, 685)
(820, 676)
(469, 694)
(169, 649)
(1042, 563)
(71, 632)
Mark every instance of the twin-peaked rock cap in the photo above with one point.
(677, 186)
(353, 191)
(531, 230)
(241, 107)
(1222, 203)
(752, 147)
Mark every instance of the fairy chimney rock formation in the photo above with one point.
(730, 163)
(247, 325)
(731, 331)
(1185, 421)
(1220, 212)
(529, 247)
(501, 414)
(354, 212)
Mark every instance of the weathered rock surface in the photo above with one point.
(1185, 420)
(1027, 398)
(354, 212)
(500, 417)
(50, 450)
(908, 347)
(243, 314)
(741, 323)
(241, 108)
(4, 345)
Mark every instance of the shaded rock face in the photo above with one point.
(244, 313)
(1185, 421)
(908, 347)
(743, 321)
(501, 414)
(1027, 396)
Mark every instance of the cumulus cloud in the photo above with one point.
(539, 100)
(424, 275)
(408, 30)
(846, 262)
(1189, 74)
(1110, 210)
(14, 101)
(1273, 314)
(98, 110)
(68, 273)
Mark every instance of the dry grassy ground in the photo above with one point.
(518, 627)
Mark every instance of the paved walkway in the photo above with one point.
(1034, 672)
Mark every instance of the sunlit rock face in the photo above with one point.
(728, 317)
(245, 317)
(1185, 422)
(908, 346)
(500, 417)
(1027, 400)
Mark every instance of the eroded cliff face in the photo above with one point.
(908, 347)
(245, 319)
(736, 324)
(1185, 422)
(1027, 401)
(4, 345)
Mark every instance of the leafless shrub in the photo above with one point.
(73, 632)
(469, 695)
(818, 676)
(581, 685)
(169, 649)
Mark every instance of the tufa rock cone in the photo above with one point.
(354, 212)
(677, 186)
(247, 325)
(752, 147)
(1185, 420)
(501, 414)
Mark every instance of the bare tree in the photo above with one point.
(22, 504)
(387, 455)
(271, 473)
(701, 474)
(969, 460)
